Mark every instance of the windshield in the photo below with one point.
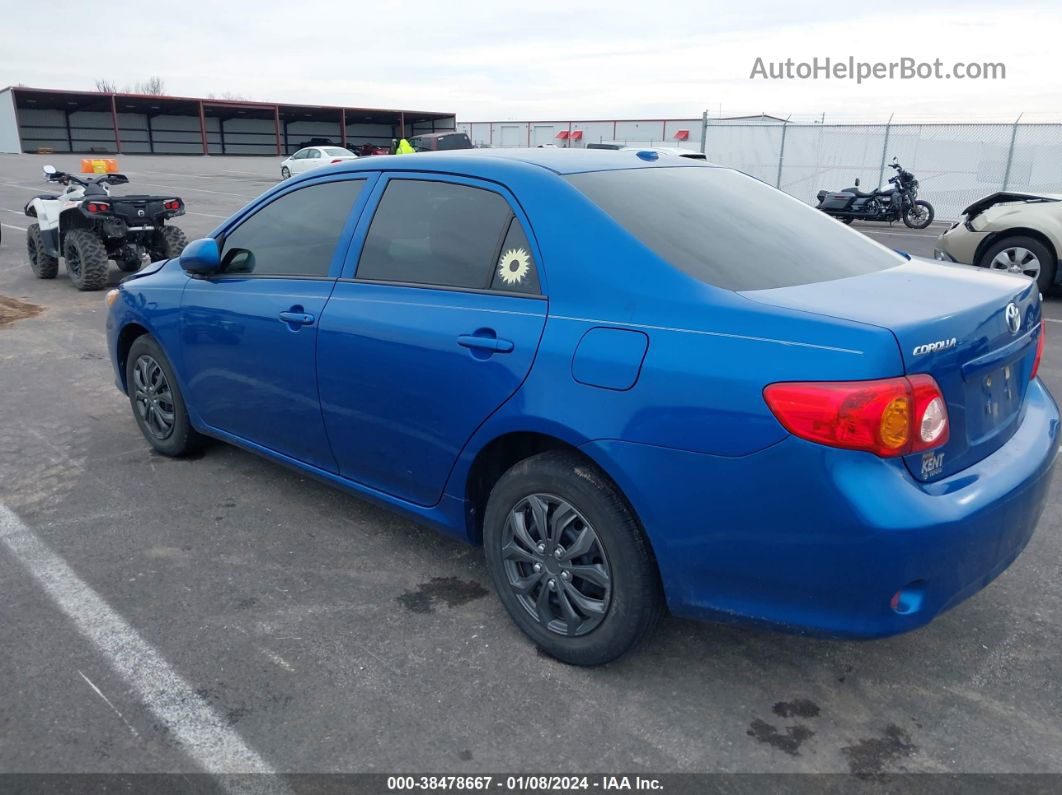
(730, 230)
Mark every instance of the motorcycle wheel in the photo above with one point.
(919, 215)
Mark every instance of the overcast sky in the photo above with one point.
(545, 60)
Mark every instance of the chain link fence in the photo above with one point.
(956, 164)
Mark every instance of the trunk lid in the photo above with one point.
(950, 321)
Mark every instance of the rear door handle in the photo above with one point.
(297, 318)
(485, 343)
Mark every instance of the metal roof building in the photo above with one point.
(36, 119)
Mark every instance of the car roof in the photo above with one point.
(559, 161)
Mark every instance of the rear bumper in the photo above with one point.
(818, 540)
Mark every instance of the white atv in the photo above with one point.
(87, 226)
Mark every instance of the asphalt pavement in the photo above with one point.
(223, 613)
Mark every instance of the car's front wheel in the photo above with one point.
(1024, 255)
(158, 405)
(569, 559)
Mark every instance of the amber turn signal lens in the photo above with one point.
(895, 422)
(111, 297)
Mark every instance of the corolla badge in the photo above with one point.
(1013, 316)
(933, 347)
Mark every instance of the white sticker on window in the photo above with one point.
(514, 266)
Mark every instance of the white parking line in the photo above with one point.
(12, 226)
(188, 719)
(1052, 320)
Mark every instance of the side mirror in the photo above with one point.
(201, 257)
(857, 182)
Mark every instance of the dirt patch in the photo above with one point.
(12, 310)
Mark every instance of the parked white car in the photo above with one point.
(314, 157)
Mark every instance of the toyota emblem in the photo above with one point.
(1013, 316)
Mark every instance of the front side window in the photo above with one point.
(730, 230)
(435, 233)
(295, 235)
(300, 155)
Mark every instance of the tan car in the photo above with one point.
(1015, 232)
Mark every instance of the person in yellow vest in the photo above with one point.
(404, 148)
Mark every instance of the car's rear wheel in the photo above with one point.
(284, 172)
(1022, 255)
(569, 560)
(42, 265)
(86, 259)
(158, 405)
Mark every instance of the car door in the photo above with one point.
(312, 160)
(297, 161)
(434, 325)
(250, 332)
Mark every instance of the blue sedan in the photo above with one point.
(638, 381)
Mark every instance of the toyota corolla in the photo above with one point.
(639, 382)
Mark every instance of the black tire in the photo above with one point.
(1007, 251)
(42, 265)
(169, 243)
(86, 260)
(180, 438)
(633, 601)
(924, 221)
(845, 220)
(285, 173)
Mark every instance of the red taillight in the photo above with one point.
(98, 207)
(172, 204)
(1039, 351)
(889, 417)
(338, 160)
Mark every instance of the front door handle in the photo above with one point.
(492, 344)
(297, 318)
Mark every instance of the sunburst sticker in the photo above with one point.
(514, 266)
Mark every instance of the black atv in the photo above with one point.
(86, 226)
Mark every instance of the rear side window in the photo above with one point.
(516, 271)
(730, 230)
(335, 151)
(435, 233)
(295, 235)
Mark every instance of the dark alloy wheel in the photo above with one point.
(43, 265)
(155, 396)
(556, 566)
(152, 397)
(918, 215)
(86, 259)
(569, 560)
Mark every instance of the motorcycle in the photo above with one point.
(86, 226)
(899, 202)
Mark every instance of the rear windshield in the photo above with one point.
(333, 151)
(730, 230)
